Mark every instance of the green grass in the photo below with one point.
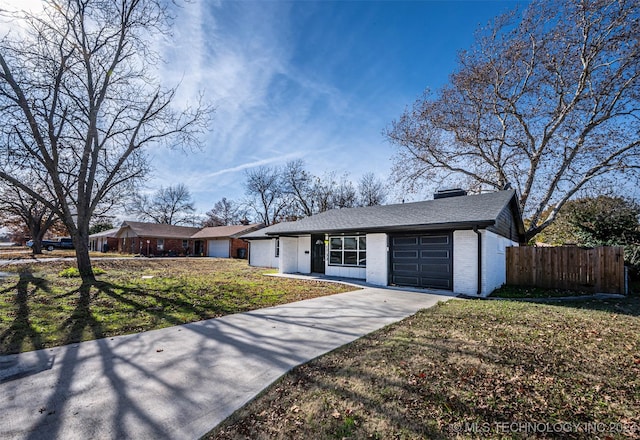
(465, 369)
(73, 272)
(40, 309)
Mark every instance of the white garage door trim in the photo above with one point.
(218, 248)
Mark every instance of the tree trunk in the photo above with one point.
(84, 261)
(36, 247)
(37, 234)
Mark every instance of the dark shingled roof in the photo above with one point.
(231, 231)
(447, 213)
(156, 230)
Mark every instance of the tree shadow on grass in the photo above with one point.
(21, 329)
(82, 317)
(84, 324)
(140, 300)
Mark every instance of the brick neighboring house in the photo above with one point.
(223, 241)
(153, 239)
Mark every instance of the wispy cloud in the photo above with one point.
(268, 111)
(254, 164)
(270, 107)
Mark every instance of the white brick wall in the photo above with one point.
(288, 255)
(304, 254)
(262, 253)
(494, 273)
(465, 262)
(359, 273)
(377, 255)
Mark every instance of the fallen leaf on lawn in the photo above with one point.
(336, 414)
(295, 409)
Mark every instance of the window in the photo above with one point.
(277, 247)
(160, 244)
(185, 244)
(348, 251)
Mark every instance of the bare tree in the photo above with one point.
(21, 212)
(546, 104)
(79, 100)
(292, 192)
(224, 212)
(297, 184)
(310, 195)
(344, 194)
(172, 205)
(371, 190)
(265, 193)
(322, 192)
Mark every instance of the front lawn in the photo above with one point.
(466, 369)
(39, 308)
(25, 253)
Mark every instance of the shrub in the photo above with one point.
(73, 272)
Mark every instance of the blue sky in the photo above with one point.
(312, 80)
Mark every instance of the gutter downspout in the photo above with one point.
(479, 234)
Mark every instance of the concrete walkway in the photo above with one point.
(179, 382)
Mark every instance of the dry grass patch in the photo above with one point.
(39, 308)
(461, 369)
(25, 253)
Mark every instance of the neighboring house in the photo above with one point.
(160, 240)
(104, 241)
(222, 241)
(154, 239)
(455, 242)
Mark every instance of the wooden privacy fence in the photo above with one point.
(597, 270)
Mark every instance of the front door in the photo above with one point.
(317, 253)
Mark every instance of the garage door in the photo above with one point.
(424, 260)
(219, 248)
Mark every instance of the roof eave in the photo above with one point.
(400, 228)
(257, 238)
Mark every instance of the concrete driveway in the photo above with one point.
(179, 382)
